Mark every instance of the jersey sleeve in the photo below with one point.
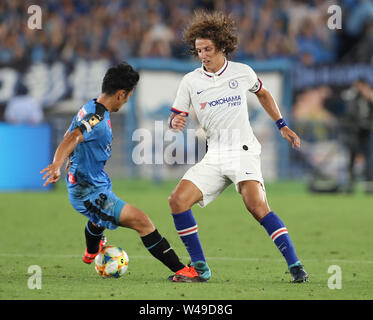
(254, 83)
(182, 101)
(86, 120)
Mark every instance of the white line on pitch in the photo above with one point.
(247, 259)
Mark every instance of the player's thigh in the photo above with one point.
(133, 218)
(242, 167)
(102, 207)
(254, 197)
(201, 184)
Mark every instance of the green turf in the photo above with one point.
(42, 229)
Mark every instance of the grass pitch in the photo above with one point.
(43, 229)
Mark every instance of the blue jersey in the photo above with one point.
(89, 157)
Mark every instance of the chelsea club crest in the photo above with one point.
(233, 84)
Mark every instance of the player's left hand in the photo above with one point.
(291, 136)
(52, 172)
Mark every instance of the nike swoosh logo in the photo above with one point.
(248, 172)
(199, 92)
(165, 251)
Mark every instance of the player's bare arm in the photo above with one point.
(67, 162)
(270, 106)
(68, 144)
(177, 121)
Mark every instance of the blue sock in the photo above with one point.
(279, 234)
(187, 229)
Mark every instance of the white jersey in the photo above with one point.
(219, 101)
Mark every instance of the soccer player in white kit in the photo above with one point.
(217, 93)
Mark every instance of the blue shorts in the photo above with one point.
(99, 205)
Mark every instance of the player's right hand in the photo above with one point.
(53, 174)
(291, 136)
(179, 121)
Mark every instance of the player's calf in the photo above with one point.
(160, 249)
(279, 234)
(158, 246)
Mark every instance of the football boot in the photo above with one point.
(89, 257)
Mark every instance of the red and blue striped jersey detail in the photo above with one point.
(174, 110)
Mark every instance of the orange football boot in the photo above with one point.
(187, 274)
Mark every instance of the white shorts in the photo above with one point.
(216, 171)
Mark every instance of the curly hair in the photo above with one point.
(215, 26)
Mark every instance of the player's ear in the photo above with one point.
(121, 94)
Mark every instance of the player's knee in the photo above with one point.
(134, 218)
(177, 202)
(174, 200)
(258, 209)
(142, 224)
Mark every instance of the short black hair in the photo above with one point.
(120, 77)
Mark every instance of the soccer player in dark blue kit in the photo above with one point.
(87, 146)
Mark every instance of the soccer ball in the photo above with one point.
(111, 262)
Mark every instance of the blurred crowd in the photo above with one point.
(119, 29)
